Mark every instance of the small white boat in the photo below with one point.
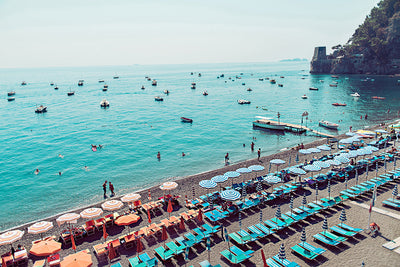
(313, 88)
(249, 89)
(243, 101)
(329, 125)
(104, 103)
(269, 124)
(70, 93)
(166, 92)
(158, 98)
(154, 83)
(41, 109)
(304, 96)
(80, 82)
(10, 99)
(205, 93)
(355, 94)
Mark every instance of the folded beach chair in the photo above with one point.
(326, 240)
(304, 252)
(177, 249)
(333, 236)
(310, 247)
(342, 231)
(164, 254)
(233, 258)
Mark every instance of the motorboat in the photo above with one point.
(272, 81)
(242, 83)
(105, 87)
(23, 83)
(329, 125)
(41, 109)
(116, 77)
(334, 76)
(205, 93)
(166, 92)
(148, 78)
(269, 124)
(183, 119)
(154, 83)
(378, 97)
(355, 94)
(56, 87)
(282, 77)
(142, 87)
(70, 93)
(261, 79)
(339, 104)
(104, 103)
(249, 89)
(80, 83)
(333, 85)
(280, 85)
(193, 85)
(243, 101)
(158, 98)
(304, 96)
(11, 93)
(313, 88)
(51, 84)
(101, 81)
(10, 99)
(199, 75)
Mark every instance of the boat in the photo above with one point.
(327, 124)
(199, 75)
(282, 77)
(339, 104)
(304, 96)
(313, 88)
(23, 83)
(193, 86)
(104, 103)
(321, 81)
(80, 83)
(10, 99)
(166, 92)
(101, 81)
(154, 83)
(272, 81)
(205, 93)
(41, 109)
(11, 93)
(148, 78)
(269, 124)
(142, 87)
(183, 119)
(116, 77)
(243, 101)
(355, 94)
(243, 83)
(56, 87)
(70, 93)
(158, 98)
(261, 79)
(280, 85)
(51, 84)
(378, 97)
(249, 89)
(105, 87)
(334, 76)
(333, 85)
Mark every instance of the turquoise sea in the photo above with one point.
(136, 127)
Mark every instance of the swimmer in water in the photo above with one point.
(60, 156)
(183, 154)
(158, 155)
(86, 168)
(37, 171)
(100, 146)
(59, 173)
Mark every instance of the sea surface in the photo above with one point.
(135, 127)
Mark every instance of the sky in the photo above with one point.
(46, 33)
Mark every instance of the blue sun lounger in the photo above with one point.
(265, 229)
(288, 220)
(342, 231)
(150, 262)
(349, 228)
(194, 238)
(164, 254)
(184, 242)
(304, 252)
(237, 251)
(233, 258)
(326, 240)
(274, 226)
(244, 234)
(253, 229)
(390, 203)
(285, 262)
(206, 263)
(333, 236)
(294, 216)
(311, 248)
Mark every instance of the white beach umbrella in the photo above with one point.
(91, 213)
(68, 218)
(40, 227)
(131, 197)
(10, 237)
(168, 186)
(112, 205)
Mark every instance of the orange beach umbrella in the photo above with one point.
(80, 259)
(45, 248)
(127, 219)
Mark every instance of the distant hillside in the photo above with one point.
(374, 47)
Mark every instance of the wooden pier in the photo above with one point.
(291, 127)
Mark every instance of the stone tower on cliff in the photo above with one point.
(319, 62)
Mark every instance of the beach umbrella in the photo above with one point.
(303, 237)
(45, 248)
(73, 243)
(68, 218)
(230, 195)
(304, 200)
(112, 205)
(316, 191)
(324, 148)
(200, 215)
(10, 237)
(170, 209)
(329, 189)
(342, 216)
(366, 171)
(164, 234)
(304, 151)
(297, 158)
(352, 154)
(290, 160)
(182, 224)
(264, 259)
(291, 204)
(342, 159)
(297, 171)
(376, 168)
(244, 193)
(314, 150)
(40, 227)
(240, 221)
(127, 219)
(272, 179)
(259, 187)
(207, 184)
(168, 186)
(149, 195)
(219, 179)
(105, 234)
(276, 162)
(385, 164)
(325, 224)
(193, 191)
(282, 254)
(256, 168)
(350, 133)
(232, 174)
(131, 197)
(278, 213)
(394, 192)
(372, 148)
(312, 168)
(333, 162)
(91, 213)
(81, 259)
(139, 246)
(243, 170)
(323, 164)
(187, 253)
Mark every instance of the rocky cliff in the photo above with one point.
(374, 47)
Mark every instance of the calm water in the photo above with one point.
(136, 127)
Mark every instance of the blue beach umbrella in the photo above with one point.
(276, 162)
(219, 179)
(232, 174)
(342, 216)
(324, 148)
(230, 195)
(244, 193)
(261, 216)
(334, 162)
(366, 171)
(272, 179)
(314, 150)
(312, 168)
(193, 191)
(373, 148)
(278, 213)
(243, 170)
(227, 238)
(282, 254)
(207, 184)
(291, 205)
(256, 168)
(323, 164)
(352, 154)
(304, 200)
(304, 151)
(297, 171)
(342, 159)
(297, 158)
(376, 168)
(385, 164)
(350, 133)
(259, 187)
(187, 253)
(346, 179)
(394, 163)
(290, 159)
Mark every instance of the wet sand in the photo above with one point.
(355, 250)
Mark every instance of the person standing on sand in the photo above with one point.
(111, 188)
(105, 188)
(259, 154)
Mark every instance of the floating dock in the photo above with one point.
(267, 123)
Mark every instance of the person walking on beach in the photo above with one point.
(259, 154)
(252, 146)
(111, 188)
(105, 188)
(226, 158)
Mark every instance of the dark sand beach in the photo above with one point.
(353, 252)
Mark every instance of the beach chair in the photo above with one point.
(294, 216)
(324, 205)
(206, 263)
(317, 208)
(288, 220)
(390, 203)
(99, 223)
(194, 238)
(265, 229)
(272, 263)
(326, 240)
(333, 236)
(118, 264)
(201, 233)
(255, 231)
(211, 229)
(239, 240)
(163, 254)
(185, 242)
(244, 234)
(285, 262)
(109, 220)
(304, 252)
(349, 228)
(177, 249)
(302, 213)
(89, 227)
(342, 231)
(54, 260)
(133, 262)
(237, 251)
(232, 258)
(311, 248)
(280, 221)
(308, 210)
(330, 202)
(211, 217)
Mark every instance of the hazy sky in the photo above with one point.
(37, 33)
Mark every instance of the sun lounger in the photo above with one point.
(164, 254)
(304, 252)
(245, 234)
(333, 236)
(329, 201)
(294, 216)
(185, 242)
(237, 251)
(274, 226)
(301, 213)
(233, 258)
(151, 262)
(253, 229)
(315, 207)
(177, 249)
(285, 262)
(349, 228)
(272, 263)
(308, 209)
(325, 205)
(201, 233)
(194, 238)
(206, 263)
(134, 261)
(310, 247)
(288, 220)
(326, 240)
(392, 244)
(390, 203)
(265, 229)
(342, 231)
(241, 240)
(349, 194)
(279, 222)
(39, 263)
(211, 229)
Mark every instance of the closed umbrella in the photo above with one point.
(244, 193)
(291, 204)
(261, 216)
(227, 237)
(278, 213)
(356, 176)
(325, 224)
(164, 234)
(182, 224)
(111, 251)
(148, 216)
(112, 205)
(342, 217)
(346, 179)
(304, 200)
(230, 195)
(91, 213)
(208, 246)
(170, 209)
(394, 192)
(105, 234)
(240, 221)
(264, 259)
(303, 237)
(200, 215)
(139, 246)
(316, 192)
(282, 254)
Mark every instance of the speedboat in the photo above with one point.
(116, 77)
(10, 99)
(154, 83)
(355, 94)
(158, 98)
(41, 109)
(313, 88)
(339, 104)
(249, 89)
(333, 85)
(166, 92)
(11, 93)
(104, 103)
(205, 93)
(243, 101)
(51, 84)
(23, 83)
(101, 81)
(272, 81)
(280, 85)
(56, 88)
(329, 125)
(105, 87)
(80, 83)
(186, 120)
(261, 79)
(143, 87)
(304, 96)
